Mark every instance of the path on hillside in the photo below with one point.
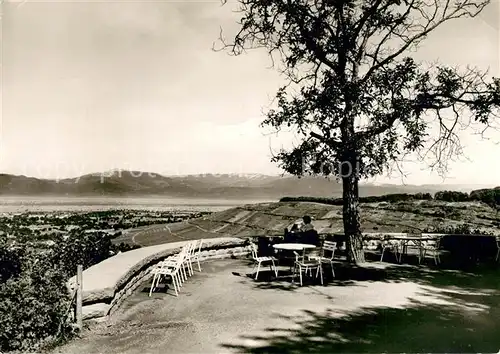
(157, 230)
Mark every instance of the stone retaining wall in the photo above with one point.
(107, 285)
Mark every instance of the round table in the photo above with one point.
(293, 246)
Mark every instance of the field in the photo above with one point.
(272, 218)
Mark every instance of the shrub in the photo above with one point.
(451, 196)
(391, 198)
(34, 298)
(82, 248)
(10, 262)
(34, 304)
(487, 196)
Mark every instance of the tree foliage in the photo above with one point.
(352, 83)
(355, 95)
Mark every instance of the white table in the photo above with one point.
(294, 247)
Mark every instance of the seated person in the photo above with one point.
(306, 226)
(308, 233)
(311, 237)
(292, 235)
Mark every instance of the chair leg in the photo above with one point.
(498, 255)
(198, 261)
(181, 276)
(382, 256)
(190, 267)
(275, 269)
(436, 257)
(152, 285)
(319, 271)
(175, 284)
(333, 271)
(158, 279)
(300, 275)
(258, 269)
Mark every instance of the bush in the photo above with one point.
(487, 196)
(34, 304)
(10, 262)
(391, 198)
(34, 298)
(82, 248)
(451, 196)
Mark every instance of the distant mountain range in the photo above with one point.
(220, 186)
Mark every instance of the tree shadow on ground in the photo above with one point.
(462, 322)
(456, 311)
(347, 274)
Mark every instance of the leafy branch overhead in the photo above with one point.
(352, 84)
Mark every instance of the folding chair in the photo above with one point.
(259, 260)
(195, 254)
(392, 245)
(433, 247)
(168, 268)
(183, 257)
(328, 247)
(306, 266)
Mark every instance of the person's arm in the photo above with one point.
(307, 227)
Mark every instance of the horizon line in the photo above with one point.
(107, 174)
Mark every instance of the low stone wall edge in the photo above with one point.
(109, 298)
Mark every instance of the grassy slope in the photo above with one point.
(272, 218)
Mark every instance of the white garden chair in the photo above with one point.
(259, 260)
(392, 245)
(302, 265)
(169, 268)
(187, 263)
(182, 257)
(326, 255)
(432, 246)
(371, 245)
(194, 255)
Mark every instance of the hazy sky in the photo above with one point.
(91, 86)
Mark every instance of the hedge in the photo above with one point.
(490, 197)
(35, 305)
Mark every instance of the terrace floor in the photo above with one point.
(383, 308)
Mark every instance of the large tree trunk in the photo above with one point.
(350, 198)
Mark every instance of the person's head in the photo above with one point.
(306, 219)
